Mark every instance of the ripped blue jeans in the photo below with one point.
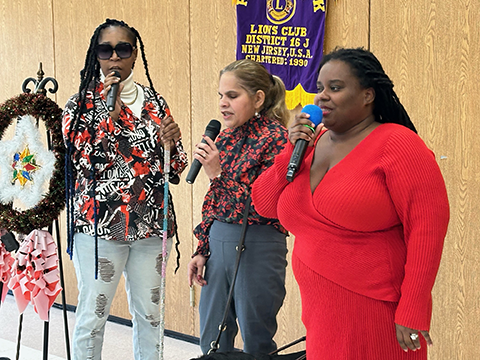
(141, 263)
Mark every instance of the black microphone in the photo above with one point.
(112, 94)
(316, 116)
(212, 130)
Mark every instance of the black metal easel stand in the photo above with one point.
(62, 284)
(40, 84)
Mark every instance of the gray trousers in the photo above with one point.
(259, 287)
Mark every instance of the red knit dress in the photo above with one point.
(368, 243)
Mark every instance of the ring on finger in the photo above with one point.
(414, 336)
(310, 127)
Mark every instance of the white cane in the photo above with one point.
(166, 172)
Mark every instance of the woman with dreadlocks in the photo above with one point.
(115, 190)
(369, 212)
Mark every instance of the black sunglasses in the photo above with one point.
(105, 51)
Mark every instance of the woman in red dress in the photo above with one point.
(369, 211)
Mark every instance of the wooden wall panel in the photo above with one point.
(346, 24)
(25, 41)
(430, 50)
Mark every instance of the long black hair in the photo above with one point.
(89, 77)
(366, 67)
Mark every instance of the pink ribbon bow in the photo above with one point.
(35, 275)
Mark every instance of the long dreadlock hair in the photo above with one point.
(89, 77)
(370, 73)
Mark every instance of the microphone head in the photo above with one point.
(316, 114)
(213, 129)
(116, 73)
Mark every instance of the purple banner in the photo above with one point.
(286, 36)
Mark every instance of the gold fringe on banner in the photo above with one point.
(298, 96)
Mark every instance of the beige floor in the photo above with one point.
(117, 343)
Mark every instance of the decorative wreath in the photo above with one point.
(48, 209)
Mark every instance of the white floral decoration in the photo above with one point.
(26, 136)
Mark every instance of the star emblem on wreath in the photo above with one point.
(24, 164)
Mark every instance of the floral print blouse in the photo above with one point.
(245, 152)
